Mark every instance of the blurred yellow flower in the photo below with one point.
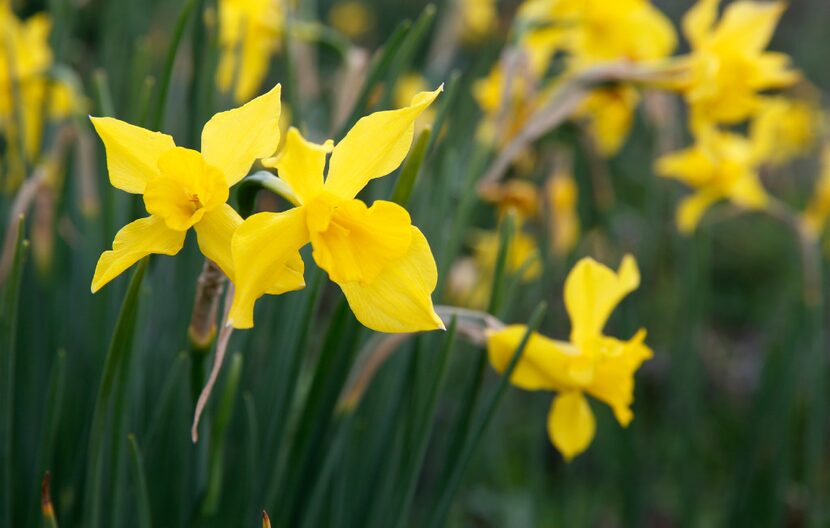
(379, 259)
(25, 60)
(352, 18)
(589, 363)
(471, 279)
(609, 113)
(720, 165)
(784, 129)
(562, 199)
(728, 67)
(815, 216)
(516, 195)
(506, 103)
(249, 33)
(183, 188)
(478, 18)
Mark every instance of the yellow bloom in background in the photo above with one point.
(720, 165)
(609, 114)
(249, 34)
(471, 279)
(728, 67)
(379, 259)
(784, 129)
(478, 18)
(352, 18)
(562, 200)
(815, 216)
(517, 195)
(183, 188)
(588, 363)
(25, 60)
(505, 112)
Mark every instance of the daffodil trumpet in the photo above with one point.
(382, 262)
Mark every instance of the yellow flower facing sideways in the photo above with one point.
(249, 34)
(728, 67)
(379, 259)
(588, 363)
(720, 165)
(183, 188)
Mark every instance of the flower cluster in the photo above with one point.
(380, 260)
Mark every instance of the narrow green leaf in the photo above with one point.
(439, 514)
(122, 342)
(497, 289)
(8, 353)
(446, 102)
(169, 63)
(409, 48)
(145, 517)
(424, 428)
(103, 93)
(216, 456)
(410, 170)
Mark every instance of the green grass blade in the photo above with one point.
(170, 61)
(145, 518)
(121, 343)
(424, 428)
(8, 353)
(410, 170)
(451, 485)
(408, 50)
(216, 456)
(444, 104)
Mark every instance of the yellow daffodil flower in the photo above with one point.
(183, 188)
(728, 67)
(379, 259)
(720, 165)
(471, 278)
(352, 18)
(516, 195)
(609, 114)
(784, 129)
(249, 34)
(815, 216)
(562, 200)
(25, 59)
(589, 363)
(478, 19)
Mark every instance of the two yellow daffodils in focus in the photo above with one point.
(383, 264)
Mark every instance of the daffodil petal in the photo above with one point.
(133, 242)
(264, 246)
(233, 140)
(699, 20)
(375, 146)
(543, 364)
(592, 291)
(132, 152)
(749, 24)
(301, 164)
(399, 298)
(691, 209)
(571, 424)
(613, 380)
(214, 233)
